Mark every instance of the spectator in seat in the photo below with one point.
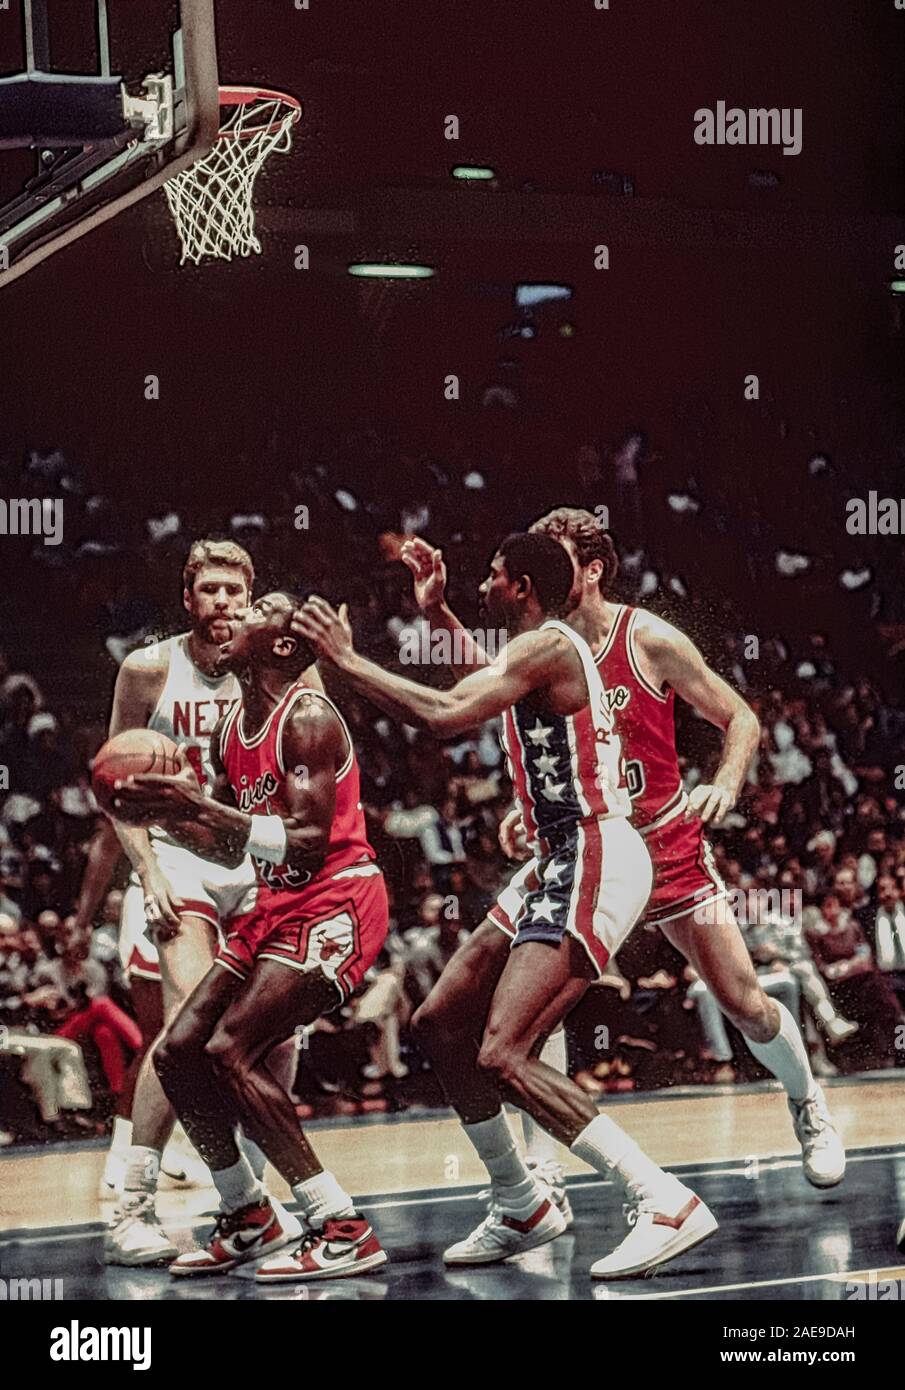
(859, 991)
(79, 986)
(52, 1068)
(889, 934)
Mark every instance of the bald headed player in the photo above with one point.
(286, 791)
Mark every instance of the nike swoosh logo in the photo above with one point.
(329, 1252)
(252, 1240)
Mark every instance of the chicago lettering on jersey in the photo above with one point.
(250, 797)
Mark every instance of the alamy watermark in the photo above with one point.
(32, 516)
(756, 125)
(751, 906)
(418, 646)
(30, 1290)
(874, 515)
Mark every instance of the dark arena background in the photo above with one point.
(630, 301)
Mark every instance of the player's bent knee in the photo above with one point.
(431, 1022)
(498, 1062)
(226, 1054)
(182, 1045)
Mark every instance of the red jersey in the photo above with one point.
(255, 768)
(646, 723)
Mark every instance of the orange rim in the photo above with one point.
(231, 97)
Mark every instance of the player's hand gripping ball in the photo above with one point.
(140, 753)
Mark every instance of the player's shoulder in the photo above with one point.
(312, 715)
(655, 635)
(149, 662)
(540, 642)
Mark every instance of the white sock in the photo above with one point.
(257, 1158)
(142, 1172)
(321, 1197)
(238, 1186)
(540, 1145)
(494, 1143)
(612, 1152)
(786, 1057)
(121, 1139)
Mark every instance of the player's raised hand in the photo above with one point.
(709, 803)
(330, 632)
(428, 571)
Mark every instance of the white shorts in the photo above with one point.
(202, 889)
(593, 886)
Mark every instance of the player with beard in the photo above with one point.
(645, 662)
(286, 791)
(176, 904)
(578, 899)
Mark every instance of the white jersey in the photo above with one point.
(190, 706)
(187, 711)
(566, 769)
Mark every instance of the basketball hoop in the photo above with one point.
(212, 201)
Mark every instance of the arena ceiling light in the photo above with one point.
(379, 270)
(529, 294)
(473, 171)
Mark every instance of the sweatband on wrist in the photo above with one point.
(267, 839)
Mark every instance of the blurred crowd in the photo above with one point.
(822, 816)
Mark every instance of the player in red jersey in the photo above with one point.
(579, 897)
(645, 662)
(287, 792)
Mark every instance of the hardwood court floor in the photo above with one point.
(418, 1181)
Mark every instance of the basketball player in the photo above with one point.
(287, 793)
(181, 688)
(580, 897)
(644, 662)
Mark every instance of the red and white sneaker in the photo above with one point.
(240, 1236)
(345, 1245)
(656, 1236)
(502, 1235)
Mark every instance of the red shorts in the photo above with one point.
(685, 875)
(336, 925)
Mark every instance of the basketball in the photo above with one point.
(130, 754)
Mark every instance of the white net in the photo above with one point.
(212, 201)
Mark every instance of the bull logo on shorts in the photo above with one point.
(332, 940)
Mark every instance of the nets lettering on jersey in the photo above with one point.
(212, 201)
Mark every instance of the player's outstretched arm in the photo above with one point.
(525, 666)
(674, 659)
(428, 570)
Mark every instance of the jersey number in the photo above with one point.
(279, 878)
(634, 776)
(196, 763)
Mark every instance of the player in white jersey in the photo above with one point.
(583, 891)
(176, 902)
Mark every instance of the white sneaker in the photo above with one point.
(839, 1030)
(552, 1176)
(822, 1152)
(110, 1184)
(502, 1235)
(136, 1237)
(656, 1237)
